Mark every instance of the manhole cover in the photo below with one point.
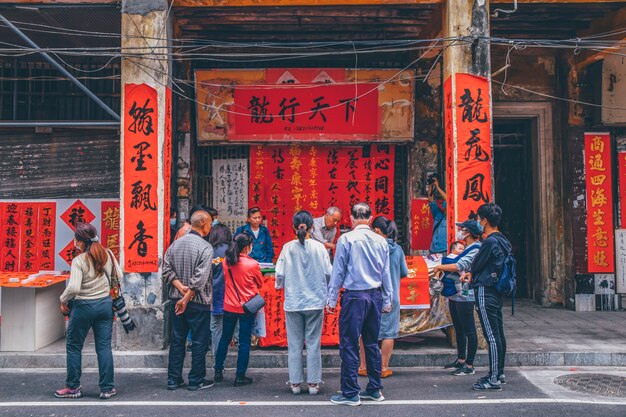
(598, 384)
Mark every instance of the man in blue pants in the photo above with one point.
(361, 267)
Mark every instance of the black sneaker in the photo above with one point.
(171, 385)
(465, 370)
(502, 379)
(219, 376)
(206, 383)
(372, 396)
(486, 386)
(454, 365)
(241, 380)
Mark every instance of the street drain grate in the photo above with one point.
(598, 384)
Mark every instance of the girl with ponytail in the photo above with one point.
(303, 270)
(242, 282)
(88, 290)
(389, 323)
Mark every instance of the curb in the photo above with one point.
(330, 359)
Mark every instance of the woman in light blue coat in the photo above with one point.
(303, 270)
(389, 322)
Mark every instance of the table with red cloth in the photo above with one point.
(419, 311)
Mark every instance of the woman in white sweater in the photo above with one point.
(88, 302)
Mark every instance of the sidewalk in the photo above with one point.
(536, 336)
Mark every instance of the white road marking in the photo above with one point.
(79, 403)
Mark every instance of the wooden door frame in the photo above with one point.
(548, 256)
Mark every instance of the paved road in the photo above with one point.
(410, 392)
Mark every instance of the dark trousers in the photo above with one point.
(85, 315)
(489, 307)
(462, 313)
(360, 317)
(246, 322)
(198, 321)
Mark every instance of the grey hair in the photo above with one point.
(361, 211)
(332, 210)
(199, 217)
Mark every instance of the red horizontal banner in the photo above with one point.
(284, 112)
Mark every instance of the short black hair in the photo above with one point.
(455, 244)
(220, 234)
(212, 212)
(253, 210)
(490, 212)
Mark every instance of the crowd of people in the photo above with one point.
(213, 280)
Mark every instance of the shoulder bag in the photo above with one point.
(253, 305)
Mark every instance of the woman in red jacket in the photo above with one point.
(243, 279)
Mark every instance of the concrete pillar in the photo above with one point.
(146, 30)
(469, 54)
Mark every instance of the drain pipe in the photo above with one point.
(60, 68)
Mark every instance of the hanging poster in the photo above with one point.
(110, 226)
(140, 178)
(599, 193)
(285, 179)
(421, 224)
(621, 164)
(469, 159)
(230, 188)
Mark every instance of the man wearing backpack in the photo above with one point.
(485, 272)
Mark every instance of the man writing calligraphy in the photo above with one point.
(325, 228)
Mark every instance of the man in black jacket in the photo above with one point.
(484, 272)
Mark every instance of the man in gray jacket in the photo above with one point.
(187, 270)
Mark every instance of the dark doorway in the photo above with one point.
(512, 140)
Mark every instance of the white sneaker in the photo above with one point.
(314, 389)
(296, 389)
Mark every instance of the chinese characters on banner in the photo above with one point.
(285, 179)
(27, 236)
(421, 224)
(276, 333)
(140, 171)
(415, 289)
(230, 182)
(167, 168)
(469, 156)
(621, 163)
(287, 111)
(110, 226)
(599, 190)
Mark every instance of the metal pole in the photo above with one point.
(60, 123)
(60, 68)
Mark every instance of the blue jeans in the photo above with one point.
(85, 315)
(360, 317)
(246, 322)
(198, 322)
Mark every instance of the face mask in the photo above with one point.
(214, 222)
(76, 245)
(172, 222)
(480, 227)
(461, 235)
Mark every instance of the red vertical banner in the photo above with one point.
(11, 234)
(167, 169)
(421, 224)
(621, 164)
(275, 330)
(467, 114)
(382, 189)
(473, 157)
(110, 226)
(29, 259)
(599, 193)
(141, 174)
(47, 233)
(451, 185)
